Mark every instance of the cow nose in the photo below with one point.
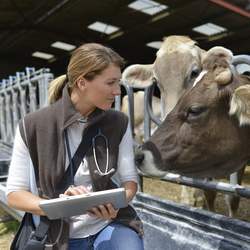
(139, 159)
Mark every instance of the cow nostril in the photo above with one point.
(139, 159)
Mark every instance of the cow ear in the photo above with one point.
(218, 51)
(139, 76)
(240, 104)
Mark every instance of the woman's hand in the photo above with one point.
(71, 191)
(103, 212)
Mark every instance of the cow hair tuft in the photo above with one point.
(223, 77)
(174, 44)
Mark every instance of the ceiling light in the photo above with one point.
(63, 46)
(103, 27)
(148, 6)
(42, 55)
(155, 45)
(209, 29)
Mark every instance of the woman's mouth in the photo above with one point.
(111, 100)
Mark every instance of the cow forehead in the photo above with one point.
(204, 72)
(175, 65)
(179, 48)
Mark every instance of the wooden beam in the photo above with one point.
(231, 7)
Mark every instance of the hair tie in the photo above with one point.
(67, 76)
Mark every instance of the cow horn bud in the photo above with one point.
(224, 77)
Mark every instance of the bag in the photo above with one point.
(24, 234)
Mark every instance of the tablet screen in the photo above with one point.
(80, 204)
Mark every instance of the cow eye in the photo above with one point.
(194, 73)
(194, 111)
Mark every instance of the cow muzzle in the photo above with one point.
(146, 162)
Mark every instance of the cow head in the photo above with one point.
(176, 67)
(207, 134)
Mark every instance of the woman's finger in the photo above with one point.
(82, 189)
(112, 212)
(71, 191)
(103, 212)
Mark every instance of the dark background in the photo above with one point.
(27, 26)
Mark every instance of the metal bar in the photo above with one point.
(130, 93)
(2, 118)
(147, 118)
(148, 105)
(220, 187)
(241, 59)
(9, 116)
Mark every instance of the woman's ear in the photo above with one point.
(81, 83)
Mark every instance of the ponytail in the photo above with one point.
(56, 87)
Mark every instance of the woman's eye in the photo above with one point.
(111, 83)
(193, 111)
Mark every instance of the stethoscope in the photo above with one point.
(98, 171)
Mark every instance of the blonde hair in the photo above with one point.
(89, 60)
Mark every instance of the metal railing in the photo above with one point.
(19, 95)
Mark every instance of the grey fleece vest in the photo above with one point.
(45, 141)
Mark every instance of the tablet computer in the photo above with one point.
(80, 204)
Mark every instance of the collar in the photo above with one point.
(70, 115)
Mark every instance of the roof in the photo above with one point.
(28, 26)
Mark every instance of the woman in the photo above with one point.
(81, 98)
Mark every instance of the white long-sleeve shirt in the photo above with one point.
(20, 175)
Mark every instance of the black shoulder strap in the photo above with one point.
(45, 222)
(76, 160)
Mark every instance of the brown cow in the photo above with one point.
(206, 134)
(176, 67)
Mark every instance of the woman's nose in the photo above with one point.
(117, 89)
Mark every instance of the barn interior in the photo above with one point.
(44, 33)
